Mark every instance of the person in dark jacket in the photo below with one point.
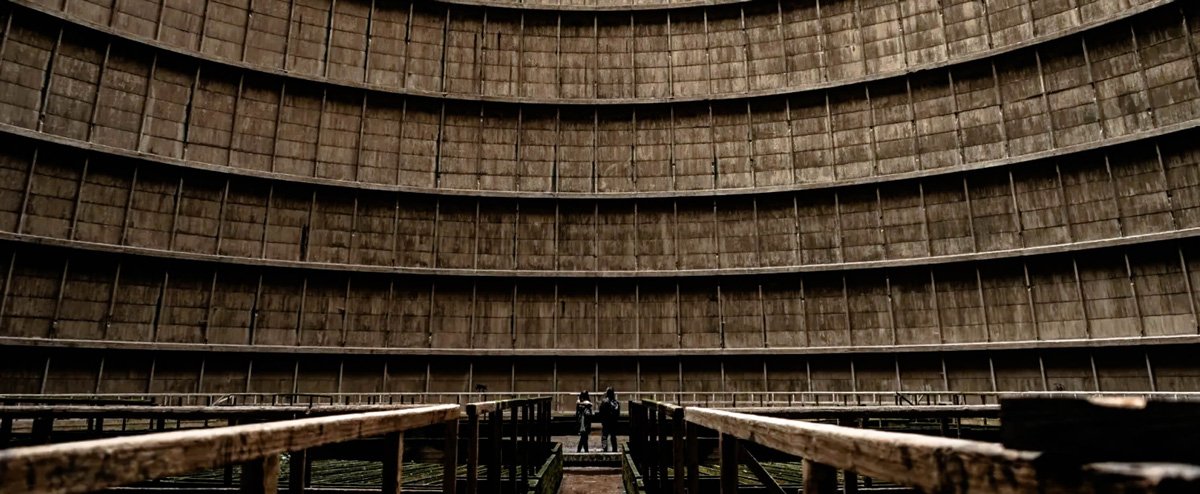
(610, 413)
(583, 417)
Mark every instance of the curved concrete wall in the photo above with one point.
(743, 196)
(726, 51)
(1131, 193)
(1117, 83)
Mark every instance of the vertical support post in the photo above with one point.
(472, 449)
(494, 461)
(849, 482)
(693, 458)
(512, 459)
(393, 462)
(227, 475)
(450, 459)
(729, 465)
(297, 471)
(6, 425)
(850, 478)
(523, 443)
(818, 478)
(677, 447)
(261, 476)
(42, 428)
(653, 453)
(660, 447)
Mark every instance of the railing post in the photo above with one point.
(818, 478)
(297, 471)
(634, 428)
(512, 459)
(693, 458)
(677, 447)
(547, 419)
(472, 450)
(5, 431)
(450, 458)
(495, 441)
(523, 445)
(654, 448)
(42, 428)
(729, 465)
(660, 447)
(261, 476)
(393, 462)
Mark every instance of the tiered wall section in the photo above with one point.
(736, 196)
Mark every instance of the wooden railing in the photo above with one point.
(563, 402)
(656, 435)
(88, 466)
(525, 447)
(665, 435)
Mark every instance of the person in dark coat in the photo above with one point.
(583, 417)
(610, 413)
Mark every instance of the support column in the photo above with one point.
(450, 459)
(818, 478)
(393, 462)
(261, 476)
(729, 465)
(297, 471)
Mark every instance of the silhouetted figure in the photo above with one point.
(610, 413)
(583, 416)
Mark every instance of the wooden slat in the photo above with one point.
(935, 464)
(92, 465)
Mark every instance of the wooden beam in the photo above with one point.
(472, 449)
(450, 460)
(935, 464)
(297, 471)
(88, 466)
(261, 475)
(818, 478)
(393, 462)
(729, 464)
(764, 478)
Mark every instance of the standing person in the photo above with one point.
(583, 416)
(610, 413)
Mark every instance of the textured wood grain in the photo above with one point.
(90, 465)
(920, 461)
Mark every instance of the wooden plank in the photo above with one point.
(86, 466)
(936, 464)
